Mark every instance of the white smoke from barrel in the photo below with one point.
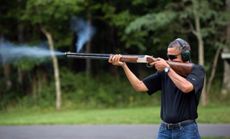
(83, 30)
(10, 52)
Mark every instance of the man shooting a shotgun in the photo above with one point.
(179, 94)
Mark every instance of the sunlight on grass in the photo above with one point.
(143, 115)
(105, 116)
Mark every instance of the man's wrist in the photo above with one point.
(123, 65)
(166, 69)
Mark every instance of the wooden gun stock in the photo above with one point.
(181, 68)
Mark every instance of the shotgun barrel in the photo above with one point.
(124, 58)
(181, 68)
(87, 55)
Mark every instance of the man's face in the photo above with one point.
(174, 55)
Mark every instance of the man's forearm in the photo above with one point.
(137, 84)
(180, 82)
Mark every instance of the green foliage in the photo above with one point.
(140, 2)
(211, 17)
(27, 64)
(99, 91)
(46, 11)
(138, 30)
(54, 16)
(80, 91)
(43, 99)
(102, 91)
(136, 39)
(108, 10)
(8, 100)
(122, 18)
(151, 22)
(215, 96)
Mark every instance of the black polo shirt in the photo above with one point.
(177, 106)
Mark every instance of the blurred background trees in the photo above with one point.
(126, 27)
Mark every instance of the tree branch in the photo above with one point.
(191, 28)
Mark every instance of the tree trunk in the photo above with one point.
(6, 68)
(88, 50)
(88, 61)
(34, 89)
(214, 66)
(204, 98)
(20, 40)
(56, 69)
(226, 79)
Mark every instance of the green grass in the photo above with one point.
(99, 116)
(214, 114)
(142, 115)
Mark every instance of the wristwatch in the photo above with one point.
(166, 69)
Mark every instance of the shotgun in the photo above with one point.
(181, 68)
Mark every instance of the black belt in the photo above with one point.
(177, 125)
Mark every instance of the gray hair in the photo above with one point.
(180, 44)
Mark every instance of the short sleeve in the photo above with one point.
(196, 77)
(153, 83)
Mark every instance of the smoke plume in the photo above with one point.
(10, 52)
(83, 30)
